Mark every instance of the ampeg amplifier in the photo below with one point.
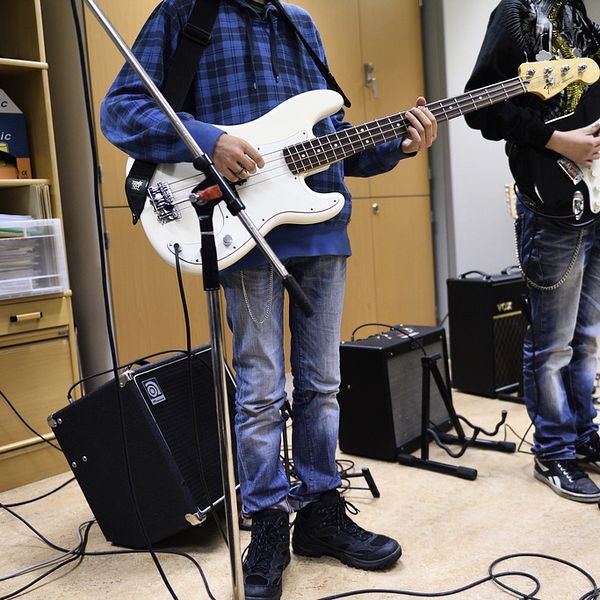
(381, 391)
(151, 439)
(487, 328)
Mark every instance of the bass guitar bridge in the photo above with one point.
(163, 203)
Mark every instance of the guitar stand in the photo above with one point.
(429, 368)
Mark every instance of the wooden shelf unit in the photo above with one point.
(38, 350)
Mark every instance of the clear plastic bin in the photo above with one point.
(32, 258)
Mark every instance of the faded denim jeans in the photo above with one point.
(255, 303)
(560, 347)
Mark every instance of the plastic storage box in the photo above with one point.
(32, 258)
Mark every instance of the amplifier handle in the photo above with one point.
(512, 268)
(480, 273)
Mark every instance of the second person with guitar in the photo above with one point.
(559, 251)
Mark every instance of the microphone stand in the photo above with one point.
(211, 285)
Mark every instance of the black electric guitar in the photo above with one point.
(555, 185)
(277, 194)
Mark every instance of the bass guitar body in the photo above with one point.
(272, 197)
(554, 185)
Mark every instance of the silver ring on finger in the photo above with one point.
(242, 169)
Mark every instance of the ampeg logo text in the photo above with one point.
(505, 307)
(155, 394)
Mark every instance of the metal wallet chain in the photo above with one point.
(555, 286)
(269, 299)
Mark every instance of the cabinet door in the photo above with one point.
(390, 34)
(105, 62)
(148, 313)
(339, 27)
(403, 260)
(35, 377)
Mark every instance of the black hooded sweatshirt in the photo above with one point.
(524, 31)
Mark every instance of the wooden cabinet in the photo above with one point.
(38, 355)
(389, 286)
(390, 276)
(391, 272)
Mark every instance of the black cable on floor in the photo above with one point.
(495, 578)
(23, 502)
(80, 553)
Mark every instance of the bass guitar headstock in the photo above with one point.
(549, 77)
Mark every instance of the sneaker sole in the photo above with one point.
(564, 493)
(351, 561)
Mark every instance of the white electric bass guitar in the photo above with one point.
(277, 194)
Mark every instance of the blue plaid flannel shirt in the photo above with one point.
(252, 64)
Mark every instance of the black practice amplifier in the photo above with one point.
(381, 391)
(487, 328)
(152, 438)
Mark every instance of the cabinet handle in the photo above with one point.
(370, 79)
(33, 316)
(375, 208)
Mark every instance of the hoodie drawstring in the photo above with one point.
(270, 15)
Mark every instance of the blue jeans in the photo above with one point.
(560, 345)
(255, 316)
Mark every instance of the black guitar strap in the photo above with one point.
(329, 78)
(194, 38)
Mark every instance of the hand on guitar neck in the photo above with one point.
(422, 128)
(582, 146)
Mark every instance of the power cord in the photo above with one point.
(24, 502)
(12, 407)
(188, 337)
(493, 577)
(79, 552)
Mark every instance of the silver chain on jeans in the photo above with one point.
(555, 286)
(269, 298)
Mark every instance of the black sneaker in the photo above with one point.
(588, 454)
(267, 555)
(324, 528)
(567, 479)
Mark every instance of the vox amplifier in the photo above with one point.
(487, 328)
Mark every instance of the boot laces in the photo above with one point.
(266, 536)
(336, 515)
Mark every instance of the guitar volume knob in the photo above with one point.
(227, 240)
